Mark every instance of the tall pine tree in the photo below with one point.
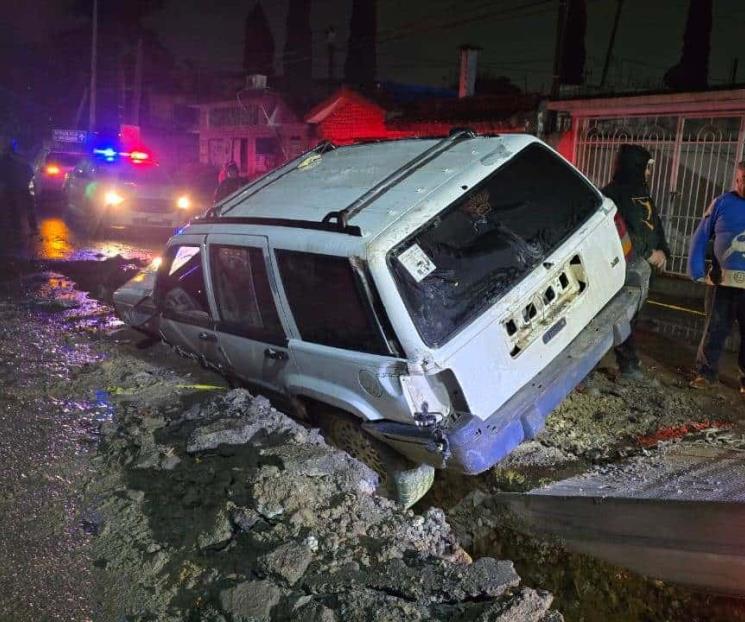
(258, 45)
(360, 66)
(298, 54)
(573, 57)
(692, 71)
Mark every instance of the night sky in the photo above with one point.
(418, 40)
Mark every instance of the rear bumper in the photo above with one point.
(471, 445)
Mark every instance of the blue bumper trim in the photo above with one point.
(472, 445)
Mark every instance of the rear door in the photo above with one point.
(345, 352)
(187, 321)
(251, 333)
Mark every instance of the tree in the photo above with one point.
(298, 54)
(360, 65)
(572, 69)
(258, 45)
(692, 71)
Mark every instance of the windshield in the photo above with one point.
(141, 174)
(63, 159)
(474, 251)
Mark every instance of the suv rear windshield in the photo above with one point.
(477, 249)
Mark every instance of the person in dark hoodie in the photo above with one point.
(630, 192)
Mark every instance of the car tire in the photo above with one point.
(401, 480)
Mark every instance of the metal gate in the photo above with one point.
(695, 162)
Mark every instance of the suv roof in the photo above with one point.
(365, 186)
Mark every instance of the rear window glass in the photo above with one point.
(64, 159)
(327, 302)
(476, 250)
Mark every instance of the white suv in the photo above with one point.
(436, 298)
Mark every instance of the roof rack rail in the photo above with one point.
(280, 222)
(270, 177)
(341, 217)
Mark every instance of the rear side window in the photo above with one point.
(328, 303)
(476, 250)
(244, 298)
(180, 291)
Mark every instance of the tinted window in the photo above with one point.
(476, 250)
(327, 302)
(64, 159)
(244, 298)
(180, 291)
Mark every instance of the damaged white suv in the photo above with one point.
(427, 302)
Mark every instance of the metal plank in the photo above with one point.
(677, 516)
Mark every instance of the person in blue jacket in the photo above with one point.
(724, 225)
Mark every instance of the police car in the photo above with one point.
(125, 189)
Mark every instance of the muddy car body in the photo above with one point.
(446, 295)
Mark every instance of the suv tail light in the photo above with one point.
(623, 233)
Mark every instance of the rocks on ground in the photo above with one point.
(229, 510)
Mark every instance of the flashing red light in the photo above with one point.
(52, 169)
(139, 156)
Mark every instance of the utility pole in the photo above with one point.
(94, 62)
(137, 98)
(611, 42)
(551, 122)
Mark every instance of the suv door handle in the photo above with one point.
(204, 336)
(276, 355)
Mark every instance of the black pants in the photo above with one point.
(724, 306)
(626, 355)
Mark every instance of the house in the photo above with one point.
(257, 129)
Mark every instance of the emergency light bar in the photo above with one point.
(110, 154)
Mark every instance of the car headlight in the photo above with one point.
(183, 202)
(113, 198)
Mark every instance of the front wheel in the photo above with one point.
(401, 480)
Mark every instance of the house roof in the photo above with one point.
(327, 107)
(712, 100)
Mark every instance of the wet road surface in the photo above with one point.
(47, 435)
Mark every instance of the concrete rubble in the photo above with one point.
(230, 510)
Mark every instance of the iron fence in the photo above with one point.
(695, 158)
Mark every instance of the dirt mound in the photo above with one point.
(229, 510)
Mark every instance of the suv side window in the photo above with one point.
(244, 297)
(327, 302)
(180, 291)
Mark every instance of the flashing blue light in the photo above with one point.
(108, 153)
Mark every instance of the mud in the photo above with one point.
(181, 500)
(164, 496)
(605, 420)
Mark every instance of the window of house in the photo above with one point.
(328, 303)
(180, 291)
(244, 298)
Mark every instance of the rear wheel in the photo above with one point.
(401, 480)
